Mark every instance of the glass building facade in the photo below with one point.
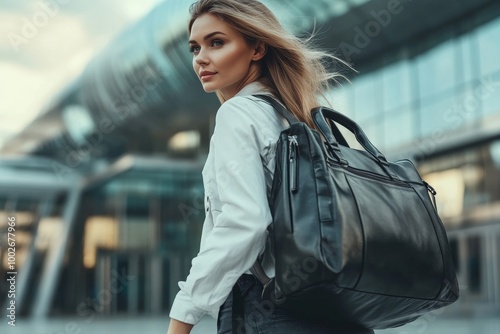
(133, 234)
(413, 95)
(438, 101)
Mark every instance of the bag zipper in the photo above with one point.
(293, 146)
(369, 175)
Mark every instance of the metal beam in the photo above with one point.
(54, 263)
(27, 270)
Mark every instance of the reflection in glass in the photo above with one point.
(439, 116)
(450, 187)
(399, 127)
(78, 122)
(100, 233)
(49, 230)
(367, 96)
(468, 52)
(397, 85)
(341, 99)
(468, 106)
(437, 70)
(374, 129)
(467, 184)
(489, 48)
(491, 94)
(495, 154)
(185, 140)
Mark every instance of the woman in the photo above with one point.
(240, 49)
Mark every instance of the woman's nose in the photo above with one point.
(201, 58)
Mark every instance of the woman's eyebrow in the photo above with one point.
(207, 36)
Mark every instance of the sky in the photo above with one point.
(46, 44)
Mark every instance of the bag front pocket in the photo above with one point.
(401, 254)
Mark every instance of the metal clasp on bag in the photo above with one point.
(267, 289)
(269, 293)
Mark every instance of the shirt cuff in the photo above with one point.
(183, 309)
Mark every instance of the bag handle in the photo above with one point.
(332, 115)
(318, 115)
(337, 134)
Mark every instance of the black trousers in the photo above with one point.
(252, 315)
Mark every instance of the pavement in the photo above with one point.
(427, 324)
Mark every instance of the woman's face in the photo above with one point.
(222, 58)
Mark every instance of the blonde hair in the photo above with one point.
(291, 69)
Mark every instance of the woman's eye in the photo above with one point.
(217, 42)
(194, 49)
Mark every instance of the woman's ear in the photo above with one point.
(260, 51)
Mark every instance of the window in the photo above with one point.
(490, 94)
(437, 70)
(367, 96)
(399, 127)
(438, 117)
(466, 180)
(374, 130)
(341, 100)
(489, 48)
(397, 85)
(468, 52)
(468, 105)
(492, 170)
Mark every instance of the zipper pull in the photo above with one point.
(293, 169)
(433, 193)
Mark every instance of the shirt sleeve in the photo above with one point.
(239, 232)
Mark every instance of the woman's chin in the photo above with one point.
(209, 88)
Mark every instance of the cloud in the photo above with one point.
(14, 5)
(19, 98)
(40, 39)
(27, 28)
(50, 45)
(53, 47)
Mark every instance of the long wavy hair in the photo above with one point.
(291, 69)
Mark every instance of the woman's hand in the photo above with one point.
(179, 327)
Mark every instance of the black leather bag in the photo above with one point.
(356, 238)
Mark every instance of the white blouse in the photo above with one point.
(237, 176)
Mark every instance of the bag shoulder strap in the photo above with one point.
(292, 119)
(279, 108)
(257, 269)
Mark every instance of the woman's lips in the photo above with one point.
(207, 75)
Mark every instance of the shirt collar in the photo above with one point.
(252, 88)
